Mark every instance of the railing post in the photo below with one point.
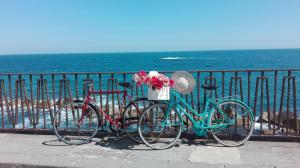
(260, 80)
(223, 84)
(124, 89)
(11, 101)
(42, 90)
(275, 98)
(65, 96)
(3, 95)
(289, 79)
(32, 102)
(101, 103)
(21, 88)
(237, 84)
(112, 85)
(198, 91)
(53, 94)
(296, 127)
(212, 81)
(76, 86)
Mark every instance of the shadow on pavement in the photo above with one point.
(117, 143)
(18, 165)
(55, 142)
(200, 141)
(124, 143)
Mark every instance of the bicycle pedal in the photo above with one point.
(176, 145)
(117, 135)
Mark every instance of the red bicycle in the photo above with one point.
(77, 122)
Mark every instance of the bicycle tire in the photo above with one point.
(222, 127)
(75, 134)
(130, 117)
(150, 128)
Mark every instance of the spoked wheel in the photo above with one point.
(69, 129)
(159, 128)
(233, 124)
(131, 117)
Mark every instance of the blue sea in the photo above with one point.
(161, 61)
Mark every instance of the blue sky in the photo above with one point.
(62, 26)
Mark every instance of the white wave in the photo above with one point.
(191, 58)
(172, 58)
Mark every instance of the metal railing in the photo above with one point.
(29, 100)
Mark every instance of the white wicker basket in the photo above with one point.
(161, 94)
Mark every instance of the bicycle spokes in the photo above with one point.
(231, 123)
(159, 127)
(73, 125)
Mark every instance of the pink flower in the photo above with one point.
(156, 82)
(172, 83)
(142, 73)
(139, 77)
(146, 80)
(153, 79)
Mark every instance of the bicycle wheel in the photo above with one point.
(158, 127)
(131, 115)
(69, 129)
(233, 124)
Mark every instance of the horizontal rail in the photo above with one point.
(128, 72)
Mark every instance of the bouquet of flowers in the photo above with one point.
(154, 79)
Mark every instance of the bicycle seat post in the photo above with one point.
(89, 85)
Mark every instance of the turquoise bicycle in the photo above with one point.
(229, 120)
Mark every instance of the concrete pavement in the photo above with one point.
(22, 150)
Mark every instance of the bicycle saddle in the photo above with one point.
(125, 84)
(209, 87)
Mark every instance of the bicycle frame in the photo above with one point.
(203, 123)
(89, 100)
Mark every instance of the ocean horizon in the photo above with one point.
(161, 61)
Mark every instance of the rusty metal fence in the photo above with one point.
(28, 101)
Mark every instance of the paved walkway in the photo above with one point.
(17, 150)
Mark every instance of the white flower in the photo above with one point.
(136, 78)
(153, 73)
